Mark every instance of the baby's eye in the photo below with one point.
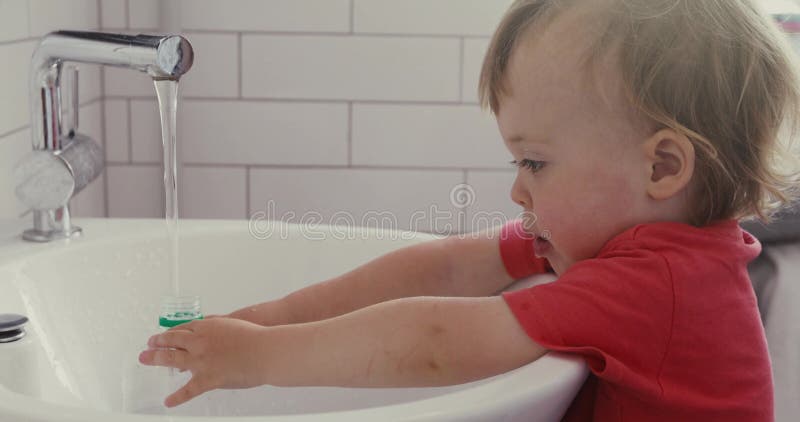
(532, 165)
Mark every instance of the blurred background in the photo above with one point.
(357, 106)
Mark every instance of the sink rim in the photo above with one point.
(102, 230)
(470, 401)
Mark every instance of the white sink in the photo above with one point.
(93, 301)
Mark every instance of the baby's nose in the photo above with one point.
(519, 196)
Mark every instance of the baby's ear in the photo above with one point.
(670, 157)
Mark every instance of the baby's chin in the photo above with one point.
(558, 263)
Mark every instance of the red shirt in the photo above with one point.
(665, 317)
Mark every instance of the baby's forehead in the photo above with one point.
(559, 55)
(555, 72)
(543, 99)
(547, 77)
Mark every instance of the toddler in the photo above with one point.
(643, 130)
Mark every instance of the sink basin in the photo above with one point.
(93, 301)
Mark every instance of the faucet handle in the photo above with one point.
(46, 180)
(43, 181)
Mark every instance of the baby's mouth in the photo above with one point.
(541, 244)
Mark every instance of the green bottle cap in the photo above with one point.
(177, 310)
(178, 318)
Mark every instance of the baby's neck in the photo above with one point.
(674, 210)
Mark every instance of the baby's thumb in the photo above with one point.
(192, 389)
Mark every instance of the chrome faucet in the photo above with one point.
(63, 161)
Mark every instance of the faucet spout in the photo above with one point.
(161, 57)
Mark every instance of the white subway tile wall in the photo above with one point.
(145, 131)
(14, 20)
(215, 71)
(266, 15)
(117, 131)
(14, 107)
(89, 87)
(144, 14)
(426, 135)
(135, 191)
(90, 202)
(320, 105)
(474, 49)
(122, 83)
(383, 198)
(49, 15)
(492, 194)
(350, 68)
(353, 105)
(229, 187)
(428, 17)
(113, 14)
(280, 133)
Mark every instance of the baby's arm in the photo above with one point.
(411, 342)
(452, 266)
(420, 341)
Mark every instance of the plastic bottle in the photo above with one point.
(146, 387)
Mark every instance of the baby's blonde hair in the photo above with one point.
(718, 71)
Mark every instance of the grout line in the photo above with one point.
(302, 100)
(18, 41)
(127, 14)
(30, 29)
(336, 34)
(92, 101)
(461, 72)
(334, 167)
(132, 97)
(246, 192)
(129, 135)
(14, 131)
(188, 32)
(352, 17)
(99, 8)
(349, 134)
(241, 69)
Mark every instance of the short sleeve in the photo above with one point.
(615, 311)
(516, 250)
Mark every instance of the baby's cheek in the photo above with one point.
(608, 189)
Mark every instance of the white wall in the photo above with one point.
(318, 105)
(22, 23)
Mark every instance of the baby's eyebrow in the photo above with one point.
(518, 139)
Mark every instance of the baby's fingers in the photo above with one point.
(192, 389)
(173, 358)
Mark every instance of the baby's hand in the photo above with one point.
(220, 353)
